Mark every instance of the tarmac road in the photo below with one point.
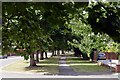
(9, 60)
(59, 79)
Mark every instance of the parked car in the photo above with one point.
(3, 56)
(101, 56)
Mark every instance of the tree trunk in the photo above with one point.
(77, 52)
(63, 52)
(58, 52)
(55, 53)
(46, 55)
(41, 55)
(32, 61)
(37, 56)
(68, 51)
(52, 54)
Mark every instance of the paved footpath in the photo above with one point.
(64, 68)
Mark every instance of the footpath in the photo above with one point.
(64, 68)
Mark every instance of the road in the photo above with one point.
(56, 77)
(9, 60)
(59, 79)
(38, 75)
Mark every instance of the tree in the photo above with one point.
(105, 17)
(29, 26)
(24, 30)
(54, 26)
(87, 40)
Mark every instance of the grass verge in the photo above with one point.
(47, 66)
(84, 65)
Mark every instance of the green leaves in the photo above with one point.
(87, 39)
(48, 26)
(103, 17)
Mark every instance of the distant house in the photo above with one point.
(0, 21)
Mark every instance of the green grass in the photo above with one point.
(84, 65)
(48, 66)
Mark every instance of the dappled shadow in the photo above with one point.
(73, 58)
(47, 62)
(33, 68)
(77, 60)
(89, 68)
(80, 62)
(43, 69)
(70, 72)
(83, 67)
(70, 55)
(26, 62)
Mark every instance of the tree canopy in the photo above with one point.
(105, 17)
(58, 26)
